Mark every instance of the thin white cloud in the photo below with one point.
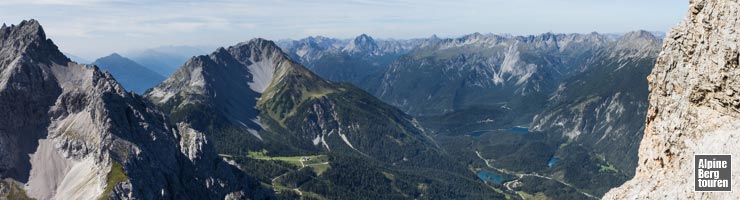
(53, 2)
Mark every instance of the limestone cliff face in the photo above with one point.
(70, 131)
(694, 105)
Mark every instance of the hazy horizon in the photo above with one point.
(95, 28)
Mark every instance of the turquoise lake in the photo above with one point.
(492, 177)
(552, 161)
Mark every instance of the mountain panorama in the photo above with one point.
(482, 116)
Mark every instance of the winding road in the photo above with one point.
(302, 166)
(521, 175)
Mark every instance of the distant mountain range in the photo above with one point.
(77, 59)
(167, 59)
(130, 74)
(488, 64)
(357, 61)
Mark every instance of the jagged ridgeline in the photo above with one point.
(70, 131)
(360, 61)
(256, 104)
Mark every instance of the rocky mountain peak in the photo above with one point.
(363, 43)
(225, 84)
(635, 44)
(474, 37)
(29, 30)
(638, 37)
(547, 36)
(595, 36)
(28, 37)
(591, 40)
(639, 34)
(310, 42)
(256, 50)
(364, 39)
(257, 43)
(115, 55)
(253, 61)
(694, 105)
(323, 43)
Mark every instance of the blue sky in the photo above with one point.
(93, 28)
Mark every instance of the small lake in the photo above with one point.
(492, 177)
(552, 161)
(519, 129)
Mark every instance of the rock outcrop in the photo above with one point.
(70, 131)
(694, 105)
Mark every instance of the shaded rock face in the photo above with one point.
(65, 126)
(694, 105)
(26, 93)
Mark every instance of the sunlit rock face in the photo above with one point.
(694, 105)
